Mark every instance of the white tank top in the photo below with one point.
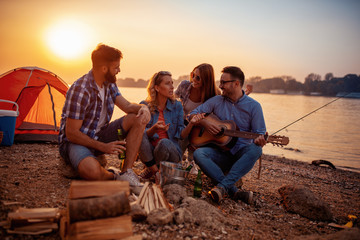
(190, 105)
(103, 109)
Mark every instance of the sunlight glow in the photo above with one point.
(68, 39)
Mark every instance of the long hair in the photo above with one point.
(152, 93)
(208, 81)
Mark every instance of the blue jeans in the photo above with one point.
(74, 153)
(165, 150)
(215, 163)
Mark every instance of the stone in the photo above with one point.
(174, 193)
(160, 216)
(137, 213)
(304, 202)
(182, 215)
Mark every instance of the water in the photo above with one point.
(331, 133)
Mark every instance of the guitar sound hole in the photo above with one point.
(221, 133)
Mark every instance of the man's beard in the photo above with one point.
(110, 78)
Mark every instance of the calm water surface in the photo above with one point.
(331, 133)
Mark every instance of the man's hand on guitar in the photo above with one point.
(212, 127)
(260, 141)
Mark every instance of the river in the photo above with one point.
(331, 133)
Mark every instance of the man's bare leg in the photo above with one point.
(90, 169)
(135, 129)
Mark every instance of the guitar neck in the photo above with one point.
(234, 133)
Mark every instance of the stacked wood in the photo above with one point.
(33, 221)
(151, 197)
(95, 210)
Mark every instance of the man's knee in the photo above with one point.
(90, 169)
(199, 155)
(131, 121)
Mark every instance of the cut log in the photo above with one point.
(34, 213)
(30, 233)
(35, 227)
(85, 189)
(108, 228)
(101, 207)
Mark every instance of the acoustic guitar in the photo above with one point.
(228, 135)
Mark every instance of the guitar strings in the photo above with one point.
(310, 113)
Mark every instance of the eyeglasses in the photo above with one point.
(222, 82)
(195, 77)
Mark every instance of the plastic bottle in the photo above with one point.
(198, 185)
(121, 155)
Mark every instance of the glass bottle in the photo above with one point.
(198, 185)
(189, 167)
(122, 155)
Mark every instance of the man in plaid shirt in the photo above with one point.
(86, 132)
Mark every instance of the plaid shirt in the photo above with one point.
(183, 91)
(83, 102)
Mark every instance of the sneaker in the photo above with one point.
(146, 173)
(245, 196)
(114, 170)
(132, 178)
(217, 194)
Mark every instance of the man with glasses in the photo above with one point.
(226, 167)
(86, 133)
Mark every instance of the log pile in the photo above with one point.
(97, 210)
(32, 221)
(151, 197)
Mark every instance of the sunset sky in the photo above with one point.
(265, 38)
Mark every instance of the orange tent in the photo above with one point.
(40, 95)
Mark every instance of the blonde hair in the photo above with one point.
(156, 80)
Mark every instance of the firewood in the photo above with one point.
(84, 189)
(142, 192)
(163, 202)
(101, 207)
(30, 233)
(151, 199)
(34, 213)
(35, 227)
(142, 200)
(107, 228)
(156, 198)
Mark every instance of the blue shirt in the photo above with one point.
(173, 114)
(83, 102)
(246, 113)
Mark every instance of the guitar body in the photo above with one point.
(199, 136)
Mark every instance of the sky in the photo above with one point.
(265, 38)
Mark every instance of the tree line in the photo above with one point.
(329, 86)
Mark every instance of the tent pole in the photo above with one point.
(53, 106)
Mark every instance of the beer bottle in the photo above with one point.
(198, 185)
(189, 167)
(121, 155)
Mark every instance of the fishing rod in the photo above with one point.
(310, 113)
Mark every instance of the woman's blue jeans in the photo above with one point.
(215, 163)
(165, 150)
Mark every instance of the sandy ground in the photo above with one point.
(32, 174)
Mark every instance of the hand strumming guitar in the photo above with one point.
(210, 126)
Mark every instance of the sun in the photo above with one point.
(68, 39)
